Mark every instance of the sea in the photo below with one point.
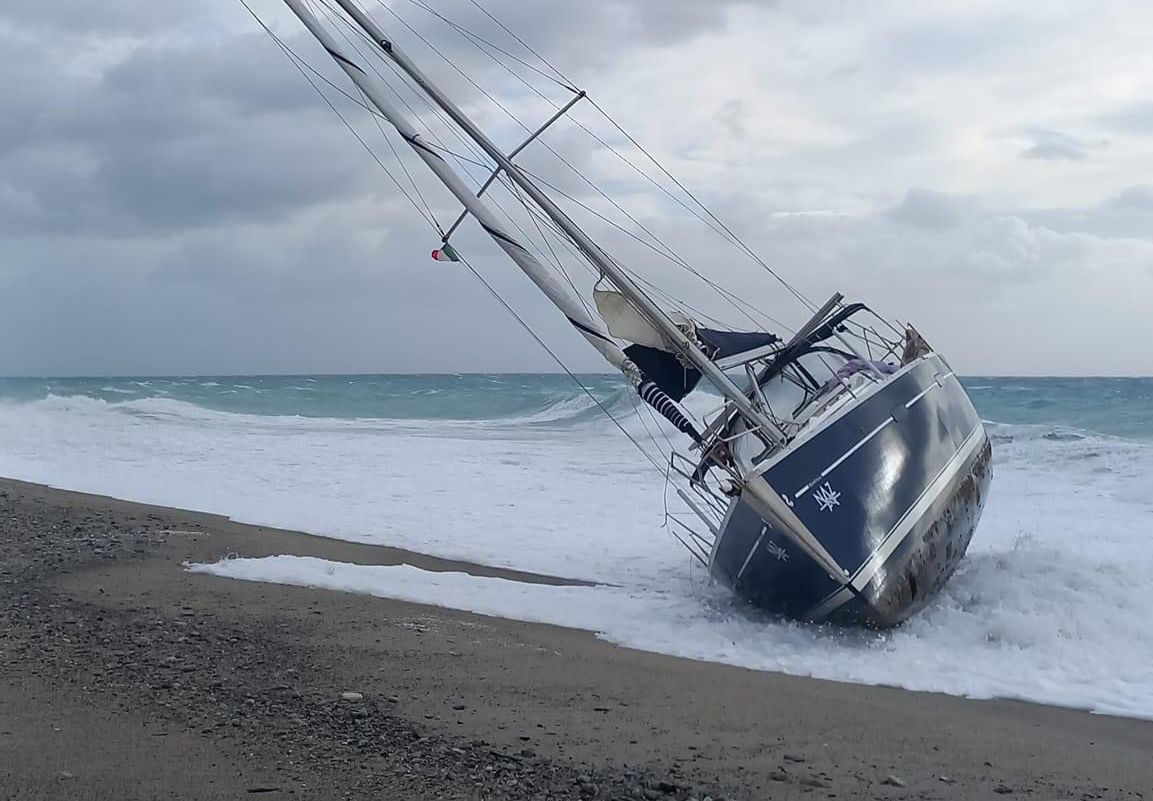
(538, 473)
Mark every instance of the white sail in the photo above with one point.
(625, 322)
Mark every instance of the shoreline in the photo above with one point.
(98, 614)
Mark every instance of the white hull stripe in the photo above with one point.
(844, 456)
(939, 381)
(902, 527)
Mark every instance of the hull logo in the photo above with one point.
(777, 551)
(826, 497)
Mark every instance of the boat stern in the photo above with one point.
(892, 488)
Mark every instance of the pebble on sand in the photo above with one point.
(353, 697)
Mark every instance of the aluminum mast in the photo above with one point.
(758, 492)
(591, 328)
(650, 310)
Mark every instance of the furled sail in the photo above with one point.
(624, 321)
(676, 378)
(651, 353)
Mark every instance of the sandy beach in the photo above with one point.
(123, 676)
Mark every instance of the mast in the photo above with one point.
(591, 328)
(676, 338)
(764, 498)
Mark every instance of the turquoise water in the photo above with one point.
(523, 471)
(1121, 407)
(401, 397)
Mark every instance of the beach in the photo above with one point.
(124, 676)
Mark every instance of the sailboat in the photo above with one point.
(842, 477)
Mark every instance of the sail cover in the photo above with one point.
(676, 379)
(649, 350)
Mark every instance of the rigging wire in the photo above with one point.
(671, 300)
(522, 42)
(533, 216)
(454, 65)
(303, 65)
(735, 299)
(387, 140)
(293, 58)
(480, 158)
(556, 262)
(638, 404)
(733, 238)
(417, 119)
(661, 248)
(359, 33)
(662, 294)
(712, 220)
(560, 362)
(403, 166)
(472, 34)
(742, 308)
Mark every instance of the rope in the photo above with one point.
(293, 58)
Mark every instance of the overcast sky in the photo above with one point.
(175, 198)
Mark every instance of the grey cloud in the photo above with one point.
(1127, 215)
(1136, 118)
(577, 37)
(106, 16)
(1055, 151)
(194, 207)
(732, 116)
(1055, 146)
(923, 208)
(950, 44)
(177, 137)
(1138, 198)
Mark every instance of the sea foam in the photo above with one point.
(1049, 605)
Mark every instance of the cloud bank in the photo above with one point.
(175, 198)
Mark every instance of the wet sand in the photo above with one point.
(122, 676)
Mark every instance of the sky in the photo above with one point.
(175, 198)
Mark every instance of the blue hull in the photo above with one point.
(892, 487)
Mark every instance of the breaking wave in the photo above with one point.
(526, 472)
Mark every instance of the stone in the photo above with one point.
(352, 697)
(893, 781)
